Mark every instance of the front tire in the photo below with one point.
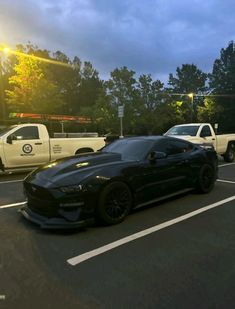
(230, 153)
(206, 179)
(114, 203)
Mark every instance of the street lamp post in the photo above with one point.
(191, 96)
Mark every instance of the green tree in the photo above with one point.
(222, 83)
(90, 87)
(150, 99)
(188, 79)
(67, 79)
(210, 111)
(121, 88)
(31, 91)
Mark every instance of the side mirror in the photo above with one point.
(156, 155)
(9, 139)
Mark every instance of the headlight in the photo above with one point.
(72, 189)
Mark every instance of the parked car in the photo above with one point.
(203, 133)
(106, 185)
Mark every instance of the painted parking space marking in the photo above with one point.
(13, 205)
(90, 254)
(11, 181)
(226, 181)
(227, 164)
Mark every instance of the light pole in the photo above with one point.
(191, 95)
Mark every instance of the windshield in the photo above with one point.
(183, 130)
(4, 131)
(130, 149)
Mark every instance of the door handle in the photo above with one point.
(38, 144)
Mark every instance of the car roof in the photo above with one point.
(156, 138)
(147, 137)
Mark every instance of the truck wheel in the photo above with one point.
(230, 153)
(114, 203)
(206, 179)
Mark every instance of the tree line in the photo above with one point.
(38, 81)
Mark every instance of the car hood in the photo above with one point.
(186, 137)
(71, 170)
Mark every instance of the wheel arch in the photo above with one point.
(226, 155)
(229, 144)
(2, 165)
(84, 150)
(118, 179)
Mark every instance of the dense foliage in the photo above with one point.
(39, 81)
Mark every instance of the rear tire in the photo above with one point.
(114, 203)
(230, 153)
(206, 179)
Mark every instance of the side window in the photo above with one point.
(206, 131)
(173, 146)
(161, 146)
(176, 147)
(26, 133)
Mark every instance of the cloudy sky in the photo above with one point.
(151, 36)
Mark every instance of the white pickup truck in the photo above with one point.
(28, 145)
(203, 133)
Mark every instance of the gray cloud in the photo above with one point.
(152, 36)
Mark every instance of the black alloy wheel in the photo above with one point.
(115, 203)
(206, 179)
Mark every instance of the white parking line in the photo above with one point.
(228, 164)
(227, 181)
(9, 181)
(12, 205)
(85, 256)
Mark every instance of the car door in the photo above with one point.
(179, 156)
(166, 175)
(207, 135)
(25, 148)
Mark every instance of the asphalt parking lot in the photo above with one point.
(182, 256)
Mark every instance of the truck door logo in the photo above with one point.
(27, 148)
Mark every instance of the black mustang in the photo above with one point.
(106, 185)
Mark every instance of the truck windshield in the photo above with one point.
(183, 130)
(4, 131)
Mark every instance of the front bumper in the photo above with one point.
(53, 223)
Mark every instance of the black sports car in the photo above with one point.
(106, 185)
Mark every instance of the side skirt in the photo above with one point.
(163, 198)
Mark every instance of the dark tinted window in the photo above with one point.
(161, 146)
(130, 149)
(26, 133)
(206, 131)
(173, 146)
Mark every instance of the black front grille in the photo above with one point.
(41, 201)
(38, 191)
